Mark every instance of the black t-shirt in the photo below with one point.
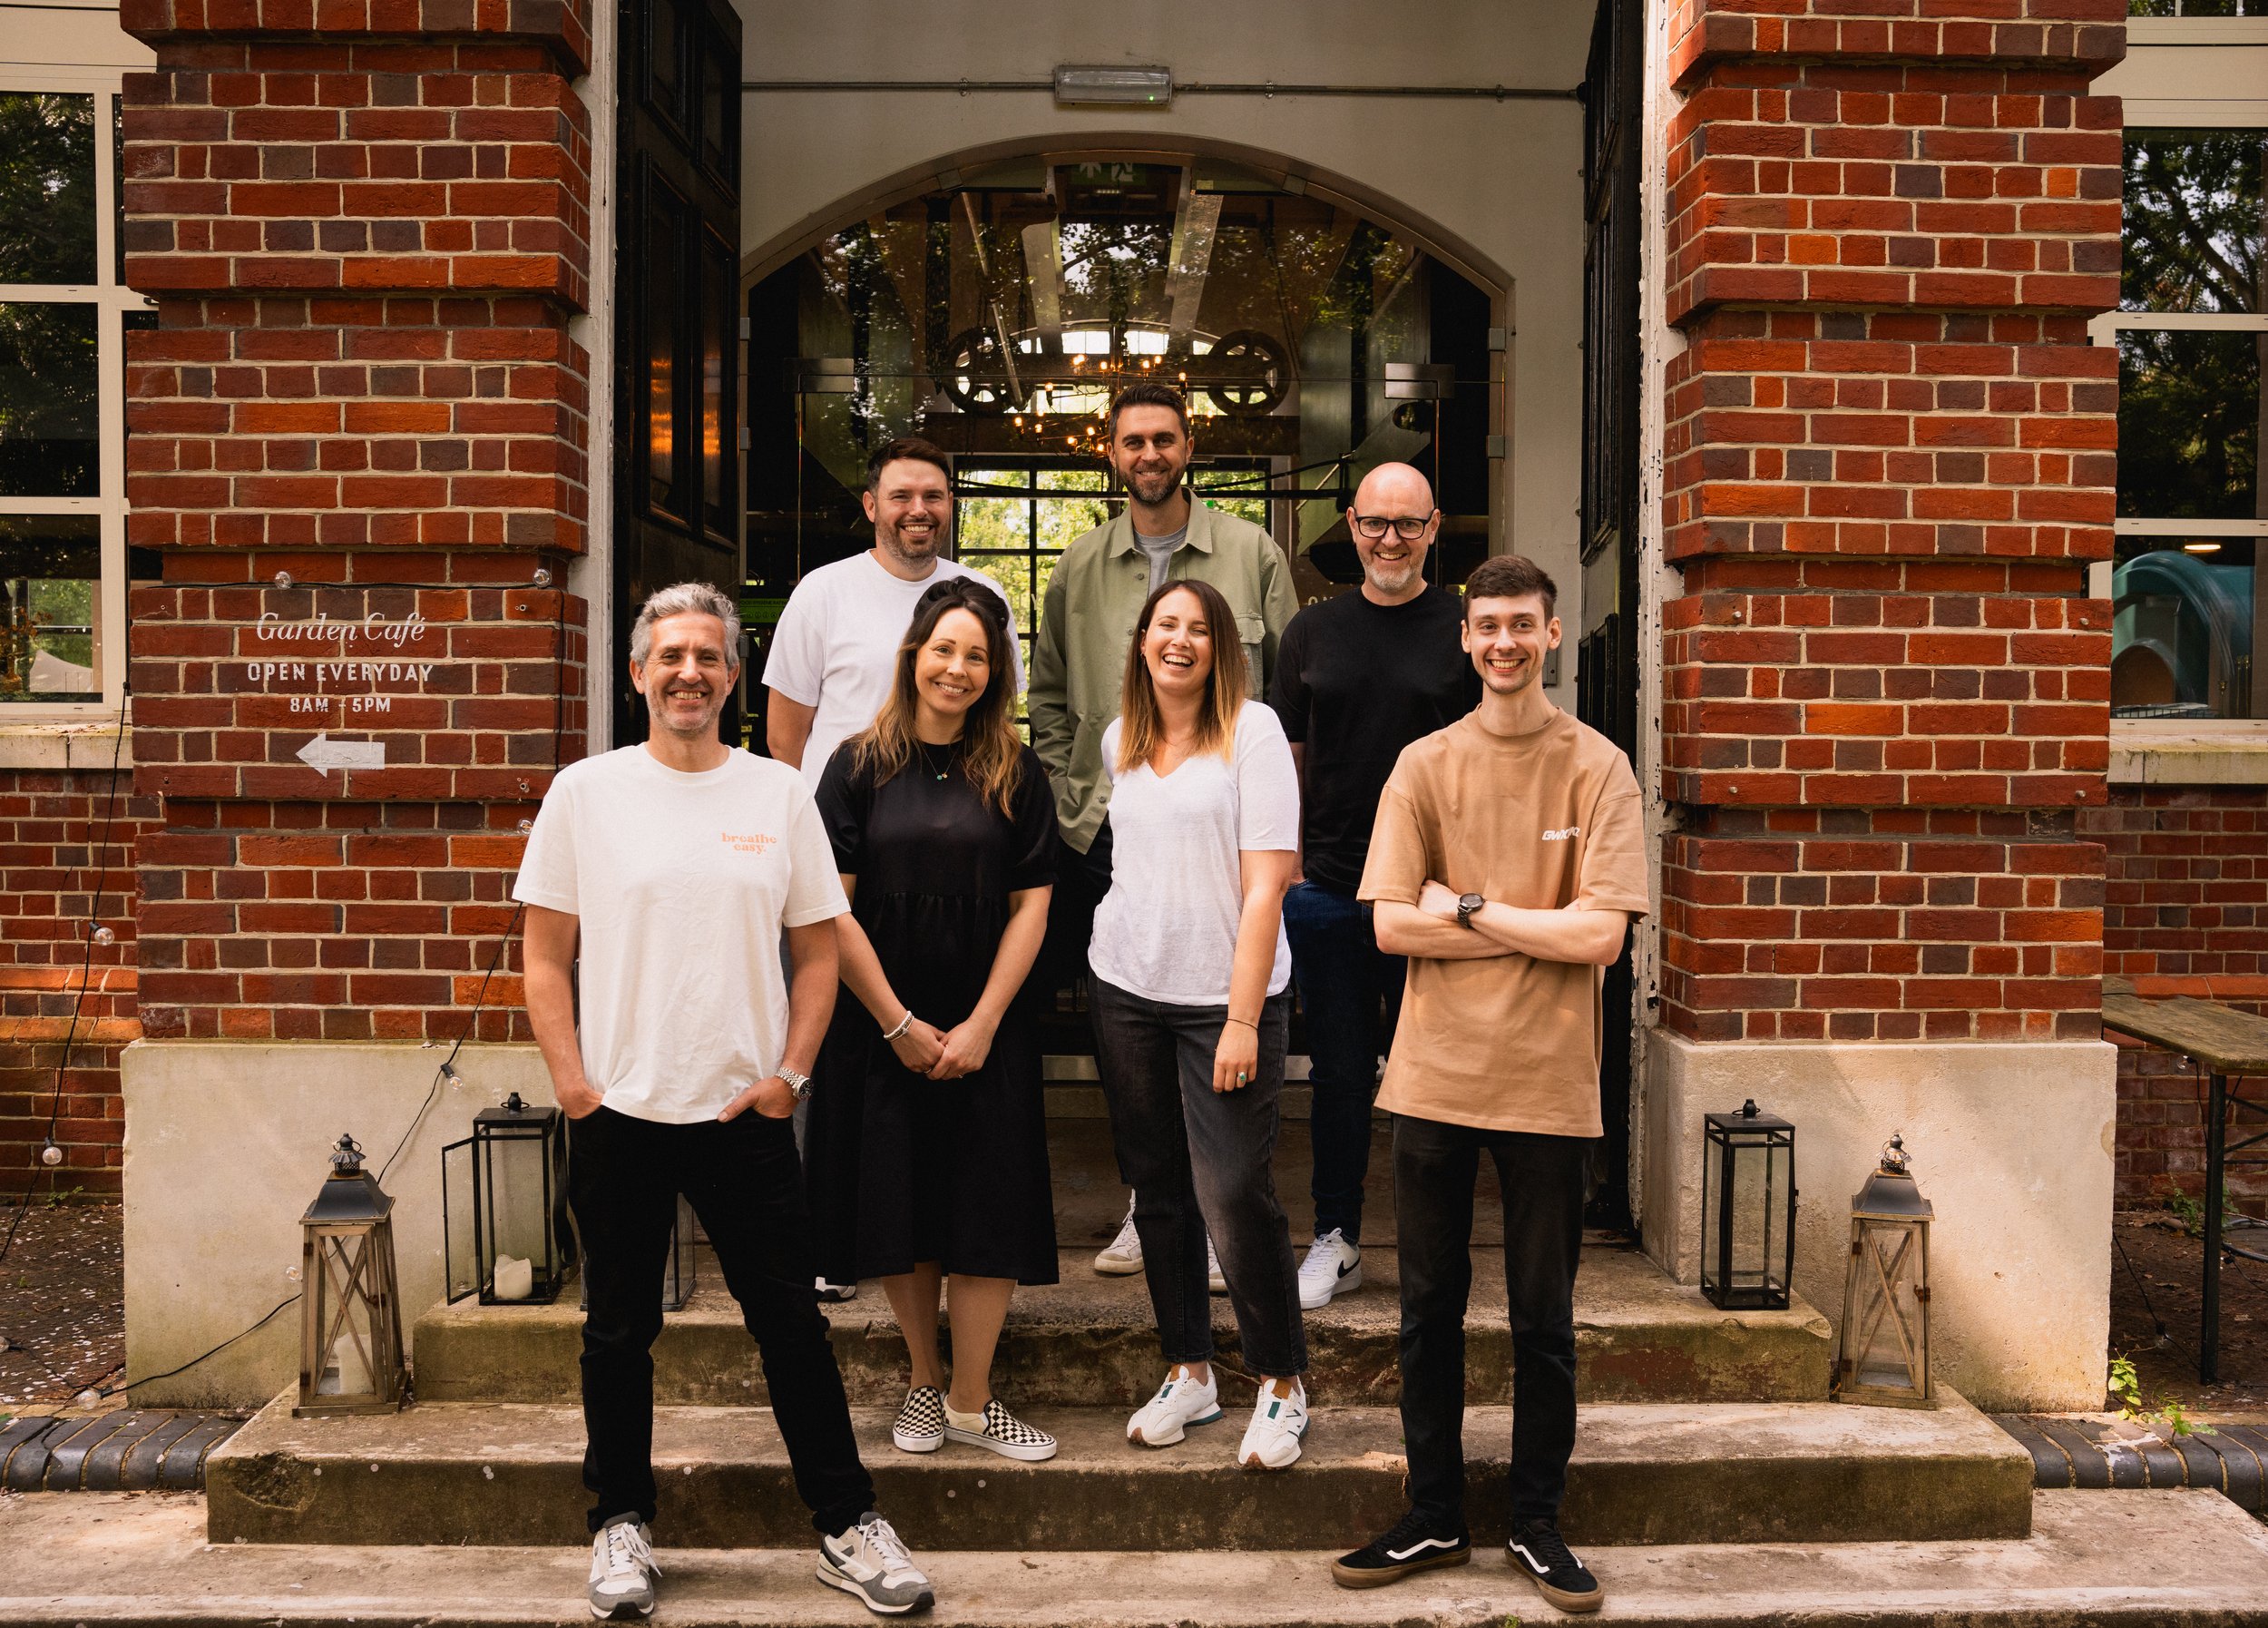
(1355, 683)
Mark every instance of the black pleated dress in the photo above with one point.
(899, 1169)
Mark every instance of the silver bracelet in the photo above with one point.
(904, 1023)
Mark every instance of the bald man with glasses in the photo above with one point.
(1358, 677)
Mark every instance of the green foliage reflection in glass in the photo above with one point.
(48, 409)
(2190, 407)
(48, 569)
(46, 188)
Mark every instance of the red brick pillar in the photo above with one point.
(1889, 458)
(366, 226)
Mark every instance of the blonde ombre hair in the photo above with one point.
(1141, 728)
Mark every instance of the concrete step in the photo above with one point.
(1089, 1342)
(2128, 1559)
(503, 1473)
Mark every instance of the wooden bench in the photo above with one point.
(2228, 1044)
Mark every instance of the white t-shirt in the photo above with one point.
(836, 647)
(683, 883)
(1167, 930)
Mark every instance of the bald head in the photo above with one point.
(1394, 521)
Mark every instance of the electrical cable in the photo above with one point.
(2165, 1335)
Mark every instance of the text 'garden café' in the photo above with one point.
(1883, 393)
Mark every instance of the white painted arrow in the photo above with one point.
(324, 754)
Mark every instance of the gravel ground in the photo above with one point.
(63, 1325)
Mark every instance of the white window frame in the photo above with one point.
(2182, 74)
(112, 301)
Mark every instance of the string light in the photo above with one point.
(51, 1155)
(105, 935)
(283, 578)
(543, 577)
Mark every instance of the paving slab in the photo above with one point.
(503, 1473)
(1088, 1340)
(2136, 1560)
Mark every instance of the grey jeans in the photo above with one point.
(1199, 1162)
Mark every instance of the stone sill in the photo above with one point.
(2189, 752)
(65, 745)
(2198, 31)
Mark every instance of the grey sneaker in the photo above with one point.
(1122, 1256)
(869, 1560)
(622, 1570)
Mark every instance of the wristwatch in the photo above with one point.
(799, 1085)
(1466, 904)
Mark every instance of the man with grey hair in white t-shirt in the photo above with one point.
(665, 875)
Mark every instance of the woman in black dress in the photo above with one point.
(927, 1148)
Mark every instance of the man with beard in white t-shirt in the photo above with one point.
(835, 649)
(658, 881)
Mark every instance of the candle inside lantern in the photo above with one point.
(515, 1277)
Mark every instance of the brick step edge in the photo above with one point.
(2095, 1454)
(134, 1450)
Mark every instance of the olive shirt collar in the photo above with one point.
(1118, 532)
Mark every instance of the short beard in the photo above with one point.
(905, 552)
(1411, 571)
(657, 717)
(1164, 486)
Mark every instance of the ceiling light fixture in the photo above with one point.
(1098, 85)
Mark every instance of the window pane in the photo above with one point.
(2190, 422)
(665, 58)
(51, 568)
(2182, 636)
(46, 188)
(665, 276)
(47, 402)
(2194, 222)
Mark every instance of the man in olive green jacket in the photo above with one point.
(1078, 659)
(1096, 595)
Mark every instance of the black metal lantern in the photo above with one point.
(677, 1269)
(1748, 1210)
(518, 1244)
(1882, 1349)
(350, 1311)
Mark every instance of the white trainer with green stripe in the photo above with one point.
(1279, 1418)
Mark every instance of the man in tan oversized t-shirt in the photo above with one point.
(1506, 863)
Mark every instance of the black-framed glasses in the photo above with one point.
(1374, 526)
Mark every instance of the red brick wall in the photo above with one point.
(2186, 913)
(367, 228)
(1890, 455)
(53, 859)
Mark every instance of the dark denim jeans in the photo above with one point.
(1350, 992)
(744, 1181)
(1543, 1179)
(1201, 1161)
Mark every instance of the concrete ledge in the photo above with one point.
(77, 745)
(2012, 1144)
(2117, 1560)
(2144, 752)
(1721, 1473)
(1090, 1341)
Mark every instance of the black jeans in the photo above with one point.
(1201, 1161)
(1542, 1179)
(1080, 881)
(744, 1181)
(1345, 984)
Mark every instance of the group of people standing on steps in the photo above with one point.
(1372, 802)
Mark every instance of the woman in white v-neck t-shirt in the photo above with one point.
(1191, 1010)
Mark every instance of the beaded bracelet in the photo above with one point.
(904, 1023)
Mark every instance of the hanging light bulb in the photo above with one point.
(105, 935)
(526, 826)
(283, 578)
(51, 1155)
(543, 577)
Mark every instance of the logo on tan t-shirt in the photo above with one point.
(753, 842)
(1562, 834)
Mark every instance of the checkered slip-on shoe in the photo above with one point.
(1006, 1435)
(920, 1424)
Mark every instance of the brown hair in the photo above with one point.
(1141, 728)
(1150, 392)
(1511, 576)
(911, 447)
(991, 753)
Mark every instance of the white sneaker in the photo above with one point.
(1180, 1402)
(622, 1570)
(869, 1560)
(1334, 1266)
(1122, 1256)
(1272, 1440)
(1213, 1279)
(834, 1292)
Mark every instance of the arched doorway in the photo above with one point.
(995, 313)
